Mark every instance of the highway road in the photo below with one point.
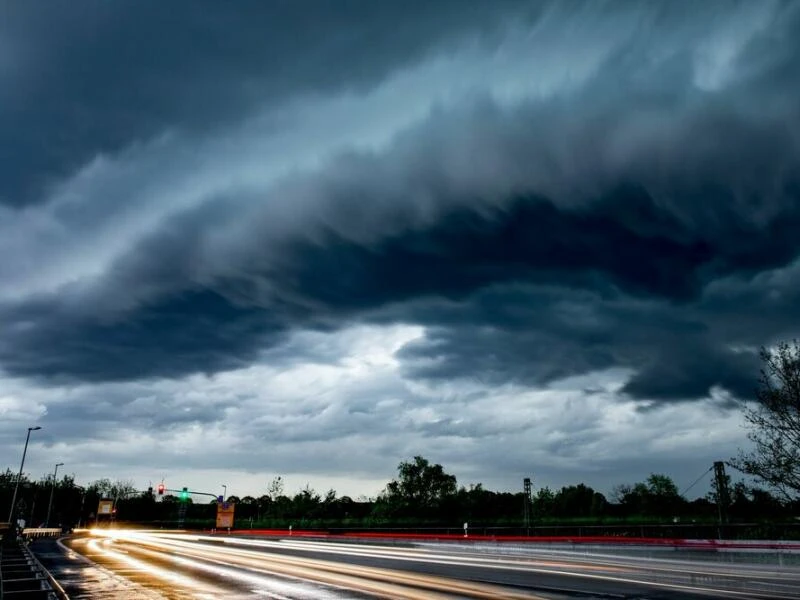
(177, 566)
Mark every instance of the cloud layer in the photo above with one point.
(541, 192)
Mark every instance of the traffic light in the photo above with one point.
(160, 489)
(185, 494)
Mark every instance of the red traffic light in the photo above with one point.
(160, 489)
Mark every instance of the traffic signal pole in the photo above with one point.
(184, 496)
(192, 493)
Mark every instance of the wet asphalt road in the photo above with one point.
(92, 569)
(178, 566)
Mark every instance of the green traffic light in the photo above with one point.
(184, 494)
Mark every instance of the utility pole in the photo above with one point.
(52, 489)
(13, 507)
(80, 514)
(526, 510)
(33, 508)
(723, 496)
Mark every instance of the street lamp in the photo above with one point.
(19, 476)
(52, 489)
(224, 491)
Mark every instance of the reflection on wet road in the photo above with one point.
(105, 568)
(178, 566)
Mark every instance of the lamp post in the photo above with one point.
(52, 489)
(19, 476)
(224, 491)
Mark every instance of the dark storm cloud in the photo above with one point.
(77, 80)
(193, 331)
(536, 336)
(529, 334)
(536, 239)
(691, 371)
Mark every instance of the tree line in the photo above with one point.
(422, 493)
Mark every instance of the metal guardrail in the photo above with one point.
(22, 575)
(772, 579)
(789, 530)
(36, 532)
(56, 588)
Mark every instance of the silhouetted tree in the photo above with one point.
(620, 492)
(544, 503)
(306, 503)
(275, 488)
(656, 496)
(421, 488)
(578, 501)
(774, 422)
(264, 506)
(105, 488)
(247, 508)
(664, 498)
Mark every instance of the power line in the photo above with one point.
(696, 481)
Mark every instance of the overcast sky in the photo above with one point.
(313, 239)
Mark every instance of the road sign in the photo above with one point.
(105, 507)
(225, 515)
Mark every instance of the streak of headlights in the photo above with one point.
(284, 564)
(405, 554)
(189, 583)
(372, 580)
(606, 566)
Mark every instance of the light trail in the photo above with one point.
(381, 582)
(223, 568)
(607, 570)
(264, 585)
(102, 547)
(260, 564)
(401, 554)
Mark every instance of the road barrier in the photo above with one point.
(671, 543)
(23, 576)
